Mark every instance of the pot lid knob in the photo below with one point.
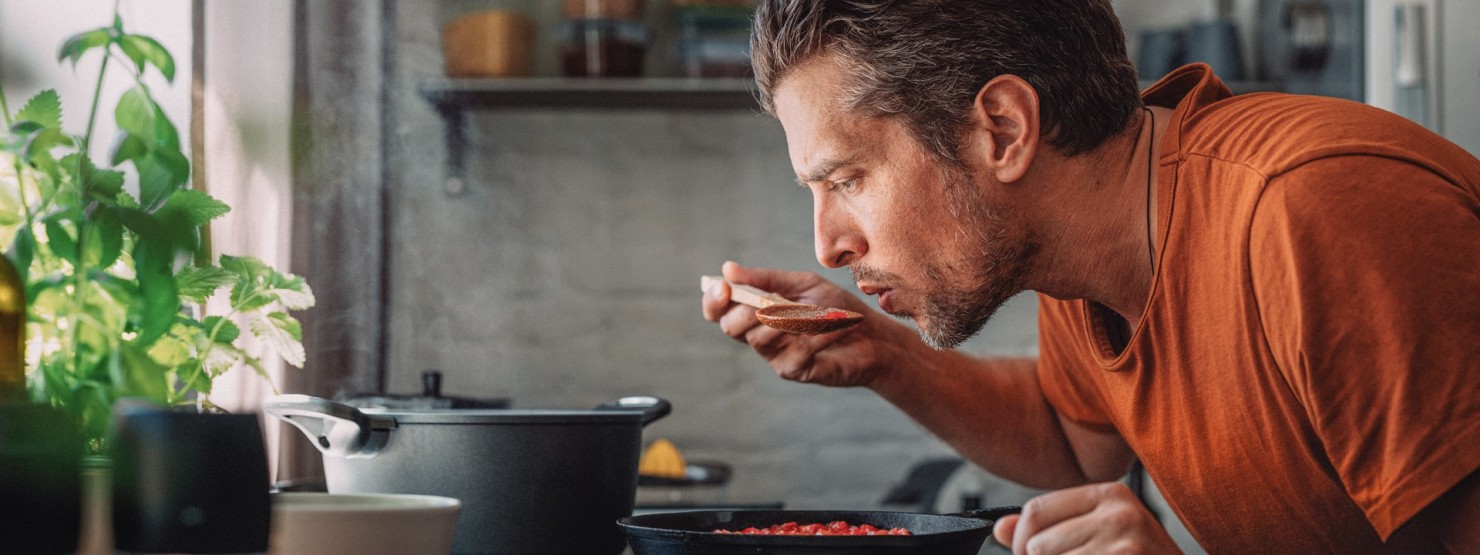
(431, 383)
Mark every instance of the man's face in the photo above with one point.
(917, 232)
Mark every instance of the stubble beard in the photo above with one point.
(997, 265)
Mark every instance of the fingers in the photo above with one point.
(716, 301)
(1049, 509)
(765, 340)
(782, 282)
(1064, 536)
(737, 321)
(1002, 530)
(1090, 518)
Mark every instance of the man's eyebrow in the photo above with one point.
(823, 169)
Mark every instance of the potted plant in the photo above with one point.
(111, 255)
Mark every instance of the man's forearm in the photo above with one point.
(991, 411)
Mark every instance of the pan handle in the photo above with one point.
(652, 408)
(334, 428)
(991, 515)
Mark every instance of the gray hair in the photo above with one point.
(924, 61)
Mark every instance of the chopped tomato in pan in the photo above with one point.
(834, 528)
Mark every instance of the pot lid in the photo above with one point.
(510, 416)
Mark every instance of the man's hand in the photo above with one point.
(1097, 518)
(851, 357)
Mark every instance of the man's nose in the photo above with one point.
(839, 242)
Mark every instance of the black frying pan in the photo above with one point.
(692, 533)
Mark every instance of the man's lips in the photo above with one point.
(881, 291)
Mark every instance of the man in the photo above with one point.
(1272, 300)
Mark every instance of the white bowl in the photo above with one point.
(362, 524)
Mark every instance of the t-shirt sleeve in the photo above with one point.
(1063, 374)
(1367, 277)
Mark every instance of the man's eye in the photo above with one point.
(843, 185)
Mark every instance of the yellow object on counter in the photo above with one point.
(661, 459)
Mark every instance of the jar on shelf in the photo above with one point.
(621, 10)
(490, 43)
(714, 37)
(603, 38)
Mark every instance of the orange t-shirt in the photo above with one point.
(1306, 377)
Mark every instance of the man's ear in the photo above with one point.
(1005, 127)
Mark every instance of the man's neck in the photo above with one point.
(1090, 216)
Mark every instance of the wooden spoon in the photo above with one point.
(785, 315)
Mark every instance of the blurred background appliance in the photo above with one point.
(1423, 62)
(1313, 46)
(1415, 58)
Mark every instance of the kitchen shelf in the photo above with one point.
(454, 97)
(569, 92)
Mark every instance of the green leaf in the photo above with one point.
(103, 185)
(152, 51)
(135, 113)
(159, 301)
(137, 221)
(281, 333)
(193, 376)
(177, 230)
(251, 277)
(78, 44)
(25, 127)
(39, 144)
(50, 176)
(194, 206)
(126, 200)
(45, 109)
(132, 50)
(245, 266)
(23, 252)
(155, 181)
(127, 146)
(104, 241)
(138, 114)
(258, 285)
(169, 154)
(137, 375)
(172, 350)
(60, 240)
(198, 283)
(78, 167)
(292, 291)
(124, 291)
(55, 383)
(50, 183)
(227, 333)
(221, 358)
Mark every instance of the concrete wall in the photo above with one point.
(568, 274)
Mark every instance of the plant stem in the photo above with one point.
(92, 114)
(4, 108)
(79, 271)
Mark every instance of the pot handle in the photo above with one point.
(991, 515)
(652, 408)
(334, 428)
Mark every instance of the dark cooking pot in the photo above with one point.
(692, 533)
(531, 481)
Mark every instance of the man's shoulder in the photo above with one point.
(1275, 133)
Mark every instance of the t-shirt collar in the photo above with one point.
(1187, 90)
